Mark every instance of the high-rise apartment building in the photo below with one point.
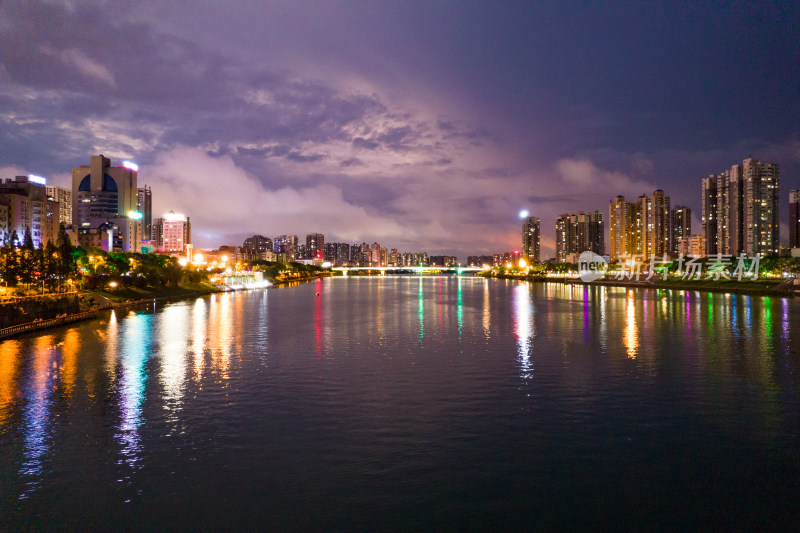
(64, 198)
(375, 257)
(578, 232)
(681, 226)
(257, 245)
(315, 246)
(741, 211)
(623, 224)
(794, 219)
(26, 206)
(654, 226)
(286, 248)
(530, 240)
(643, 227)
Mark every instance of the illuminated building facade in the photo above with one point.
(741, 209)
(64, 199)
(578, 232)
(794, 219)
(26, 206)
(530, 240)
(144, 205)
(315, 246)
(623, 223)
(100, 191)
(176, 233)
(681, 222)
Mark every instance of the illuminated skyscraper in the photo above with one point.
(654, 225)
(794, 219)
(741, 211)
(681, 222)
(623, 228)
(530, 240)
(578, 232)
(315, 246)
(26, 206)
(100, 191)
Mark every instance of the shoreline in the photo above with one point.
(727, 287)
(94, 312)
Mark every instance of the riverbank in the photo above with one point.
(131, 295)
(764, 287)
(92, 302)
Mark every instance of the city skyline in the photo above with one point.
(388, 125)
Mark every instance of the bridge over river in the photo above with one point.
(411, 270)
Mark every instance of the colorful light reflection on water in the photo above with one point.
(389, 398)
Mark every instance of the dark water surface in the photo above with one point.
(409, 403)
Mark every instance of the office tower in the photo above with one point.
(794, 219)
(681, 226)
(530, 240)
(100, 191)
(144, 205)
(384, 259)
(176, 233)
(578, 232)
(741, 209)
(64, 198)
(315, 246)
(26, 206)
(105, 198)
(393, 257)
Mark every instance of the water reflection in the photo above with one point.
(36, 416)
(173, 340)
(487, 313)
(715, 354)
(460, 310)
(199, 324)
(421, 305)
(523, 328)
(132, 383)
(9, 367)
(631, 335)
(70, 351)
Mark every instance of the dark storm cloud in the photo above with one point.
(352, 162)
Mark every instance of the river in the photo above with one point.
(409, 403)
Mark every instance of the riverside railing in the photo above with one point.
(40, 324)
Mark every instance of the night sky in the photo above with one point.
(423, 126)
